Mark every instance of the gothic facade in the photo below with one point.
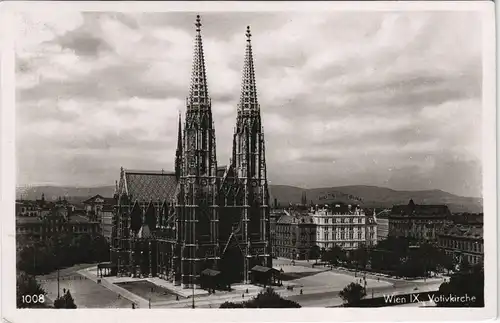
(175, 225)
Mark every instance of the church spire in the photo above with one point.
(178, 153)
(198, 94)
(248, 97)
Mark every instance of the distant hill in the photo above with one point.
(71, 193)
(374, 196)
(367, 196)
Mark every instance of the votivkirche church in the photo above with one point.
(201, 218)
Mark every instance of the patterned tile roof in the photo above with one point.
(150, 185)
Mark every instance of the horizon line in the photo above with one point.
(305, 189)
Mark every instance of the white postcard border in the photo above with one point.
(8, 166)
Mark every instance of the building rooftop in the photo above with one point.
(106, 200)
(463, 231)
(412, 209)
(77, 218)
(297, 218)
(149, 185)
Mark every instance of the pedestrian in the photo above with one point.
(243, 295)
(176, 297)
(301, 291)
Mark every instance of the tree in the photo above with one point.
(60, 250)
(464, 265)
(352, 294)
(265, 299)
(467, 284)
(359, 257)
(314, 252)
(65, 301)
(232, 305)
(270, 299)
(334, 255)
(27, 285)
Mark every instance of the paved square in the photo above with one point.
(336, 281)
(86, 293)
(148, 290)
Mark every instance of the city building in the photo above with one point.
(471, 219)
(106, 221)
(94, 206)
(175, 225)
(30, 208)
(59, 220)
(419, 222)
(101, 209)
(371, 231)
(343, 225)
(295, 235)
(274, 216)
(463, 242)
(382, 220)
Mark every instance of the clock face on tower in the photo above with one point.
(254, 183)
(204, 182)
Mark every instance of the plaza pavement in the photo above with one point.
(185, 299)
(323, 282)
(320, 289)
(86, 293)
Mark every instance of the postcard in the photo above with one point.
(248, 161)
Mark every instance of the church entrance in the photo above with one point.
(232, 264)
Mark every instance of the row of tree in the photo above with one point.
(397, 256)
(61, 250)
(265, 299)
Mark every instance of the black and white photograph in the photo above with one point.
(312, 156)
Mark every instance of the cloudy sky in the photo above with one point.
(376, 98)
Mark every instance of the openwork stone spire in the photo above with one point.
(198, 94)
(248, 97)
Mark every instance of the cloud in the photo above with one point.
(377, 98)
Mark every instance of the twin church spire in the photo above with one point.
(199, 111)
(248, 97)
(198, 93)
